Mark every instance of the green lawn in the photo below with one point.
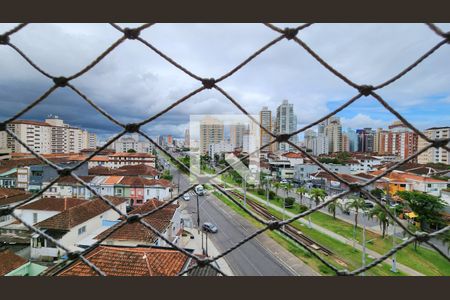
(425, 261)
(352, 257)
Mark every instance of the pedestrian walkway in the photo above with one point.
(332, 234)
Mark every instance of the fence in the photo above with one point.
(361, 90)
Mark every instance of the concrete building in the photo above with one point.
(403, 140)
(286, 122)
(366, 140)
(434, 155)
(187, 138)
(220, 148)
(333, 132)
(211, 132)
(237, 132)
(51, 136)
(265, 119)
(132, 142)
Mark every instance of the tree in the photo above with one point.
(166, 175)
(382, 216)
(301, 191)
(277, 185)
(333, 206)
(318, 195)
(287, 188)
(357, 204)
(289, 202)
(427, 208)
(131, 151)
(378, 193)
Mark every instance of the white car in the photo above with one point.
(186, 197)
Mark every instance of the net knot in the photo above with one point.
(4, 39)
(290, 33)
(283, 138)
(133, 218)
(436, 143)
(344, 272)
(203, 262)
(73, 255)
(365, 89)
(274, 225)
(354, 187)
(5, 211)
(132, 127)
(208, 82)
(447, 36)
(64, 172)
(131, 34)
(422, 236)
(60, 81)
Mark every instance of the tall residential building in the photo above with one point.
(333, 132)
(169, 140)
(132, 142)
(187, 138)
(404, 141)
(286, 122)
(51, 136)
(383, 142)
(237, 132)
(322, 144)
(434, 155)
(366, 139)
(352, 140)
(311, 141)
(265, 119)
(211, 132)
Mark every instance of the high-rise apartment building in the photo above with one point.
(265, 119)
(237, 132)
(286, 122)
(211, 132)
(333, 132)
(403, 140)
(366, 140)
(187, 138)
(51, 136)
(433, 155)
(132, 142)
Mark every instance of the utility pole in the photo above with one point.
(363, 243)
(394, 256)
(267, 191)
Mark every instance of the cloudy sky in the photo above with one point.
(133, 82)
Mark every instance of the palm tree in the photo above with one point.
(301, 191)
(277, 185)
(333, 206)
(382, 217)
(357, 203)
(287, 187)
(318, 195)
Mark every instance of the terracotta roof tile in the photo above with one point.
(53, 204)
(9, 261)
(9, 196)
(123, 261)
(79, 214)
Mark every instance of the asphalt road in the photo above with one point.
(250, 259)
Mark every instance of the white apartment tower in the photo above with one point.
(286, 122)
(433, 155)
(211, 132)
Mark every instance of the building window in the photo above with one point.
(81, 230)
(35, 217)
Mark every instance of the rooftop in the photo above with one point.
(53, 204)
(79, 214)
(129, 261)
(9, 196)
(9, 261)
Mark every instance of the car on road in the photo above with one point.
(199, 190)
(368, 204)
(209, 227)
(186, 197)
(283, 181)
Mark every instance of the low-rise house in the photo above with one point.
(139, 190)
(68, 186)
(294, 158)
(130, 261)
(44, 208)
(8, 198)
(12, 264)
(141, 170)
(73, 225)
(167, 221)
(302, 172)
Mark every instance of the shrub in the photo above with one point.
(260, 191)
(302, 208)
(272, 195)
(289, 201)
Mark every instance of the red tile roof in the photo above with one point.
(9, 261)
(10, 196)
(126, 154)
(293, 155)
(140, 182)
(130, 170)
(123, 261)
(30, 122)
(137, 232)
(53, 204)
(79, 214)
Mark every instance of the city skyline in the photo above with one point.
(316, 91)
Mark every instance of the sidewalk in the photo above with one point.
(196, 244)
(336, 236)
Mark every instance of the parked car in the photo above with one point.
(369, 204)
(199, 190)
(186, 197)
(209, 227)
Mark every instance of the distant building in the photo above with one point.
(220, 148)
(265, 119)
(132, 142)
(211, 132)
(433, 155)
(333, 132)
(51, 136)
(366, 140)
(187, 138)
(286, 122)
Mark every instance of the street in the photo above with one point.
(250, 259)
